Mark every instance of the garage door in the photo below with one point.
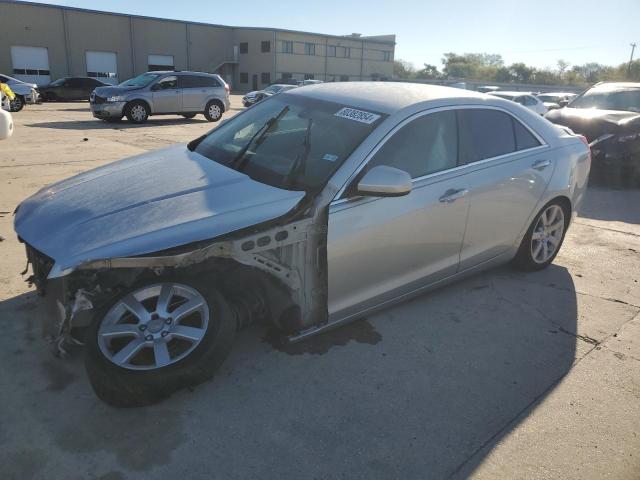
(103, 66)
(31, 64)
(161, 62)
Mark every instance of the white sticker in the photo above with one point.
(330, 157)
(357, 115)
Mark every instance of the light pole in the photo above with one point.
(633, 47)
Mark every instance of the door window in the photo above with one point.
(426, 145)
(484, 134)
(167, 83)
(524, 138)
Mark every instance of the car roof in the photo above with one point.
(383, 97)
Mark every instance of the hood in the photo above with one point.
(145, 204)
(17, 83)
(593, 123)
(110, 90)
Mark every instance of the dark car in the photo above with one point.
(252, 98)
(608, 115)
(70, 88)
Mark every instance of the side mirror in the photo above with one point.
(6, 125)
(384, 181)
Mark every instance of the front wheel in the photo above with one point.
(17, 104)
(544, 237)
(155, 339)
(137, 112)
(214, 110)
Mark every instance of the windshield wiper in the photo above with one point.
(240, 161)
(301, 160)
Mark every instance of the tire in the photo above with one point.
(134, 383)
(137, 111)
(214, 110)
(544, 237)
(188, 116)
(17, 104)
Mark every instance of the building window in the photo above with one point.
(309, 49)
(30, 71)
(244, 47)
(344, 78)
(343, 52)
(99, 74)
(287, 76)
(309, 76)
(386, 56)
(287, 46)
(265, 46)
(266, 78)
(331, 50)
(244, 77)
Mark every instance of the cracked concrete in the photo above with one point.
(504, 375)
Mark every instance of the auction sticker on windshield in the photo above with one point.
(357, 115)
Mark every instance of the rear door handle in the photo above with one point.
(541, 164)
(452, 195)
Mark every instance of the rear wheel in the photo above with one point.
(544, 237)
(214, 110)
(156, 338)
(137, 112)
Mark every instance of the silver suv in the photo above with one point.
(161, 93)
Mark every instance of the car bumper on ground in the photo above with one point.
(107, 110)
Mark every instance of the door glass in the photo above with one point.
(167, 83)
(190, 81)
(426, 145)
(524, 138)
(484, 134)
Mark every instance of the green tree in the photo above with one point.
(429, 72)
(403, 69)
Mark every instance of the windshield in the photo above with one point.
(623, 99)
(273, 88)
(550, 98)
(289, 142)
(141, 80)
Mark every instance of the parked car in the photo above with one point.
(303, 83)
(254, 97)
(6, 122)
(313, 208)
(25, 92)
(553, 100)
(70, 88)
(525, 99)
(162, 93)
(608, 115)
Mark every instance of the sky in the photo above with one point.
(537, 33)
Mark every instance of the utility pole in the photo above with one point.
(633, 47)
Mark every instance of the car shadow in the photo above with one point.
(102, 125)
(421, 390)
(611, 204)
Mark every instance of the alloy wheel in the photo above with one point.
(547, 234)
(154, 326)
(138, 113)
(214, 111)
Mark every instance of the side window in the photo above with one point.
(73, 82)
(209, 82)
(189, 81)
(524, 138)
(484, 134)
(529, 100)
(426, 145)
(167, 83)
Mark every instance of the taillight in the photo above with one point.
(227, 88)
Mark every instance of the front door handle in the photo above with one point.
(452, 195)
(541, 164)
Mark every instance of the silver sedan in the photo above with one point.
(313, 208)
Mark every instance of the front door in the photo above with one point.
(382, 248)
(167, 97)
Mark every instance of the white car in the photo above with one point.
(525, 99)
(25, 92)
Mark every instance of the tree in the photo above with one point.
(521, 73)
(481, 66)
(403, 69)
(429, 72)
(562, 67)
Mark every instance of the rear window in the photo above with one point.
(524, 138)
(484, 134)
(197, 81)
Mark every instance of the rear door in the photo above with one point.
(73, 89)
(381, 248)
(508, 169)
(167, 96)
(194, 92)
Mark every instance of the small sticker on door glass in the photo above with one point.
(357, 115)
(330, 157)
